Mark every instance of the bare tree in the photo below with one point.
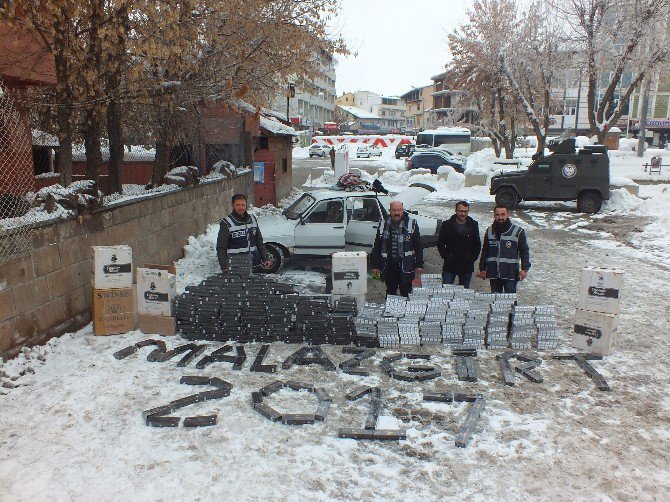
(534, 60)
(620, 43)
(474, 67)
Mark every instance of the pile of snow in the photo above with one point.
(223, 167)
(628, 145)
(622, 201)
(200, 260)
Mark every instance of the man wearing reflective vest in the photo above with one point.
(397, 253)
(239, 233)
(504, 245)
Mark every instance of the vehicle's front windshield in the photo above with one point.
(294, 211)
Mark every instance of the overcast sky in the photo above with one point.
(400, 44)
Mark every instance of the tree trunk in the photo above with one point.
(496, 145)
(92, 133)
(63, 108)
(643, 106)
(115, 136)
(161, 162)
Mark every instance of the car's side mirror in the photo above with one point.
(302, 222)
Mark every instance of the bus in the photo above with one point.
(454, 139)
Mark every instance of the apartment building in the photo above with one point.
(314, 102)
(418, 103)
(386, 112)
(450, 106)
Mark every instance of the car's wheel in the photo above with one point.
(276, 258)
(423, 185)
(507, 197)
(589, 202)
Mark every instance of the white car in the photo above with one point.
(323, 222)
(368, 151)
(319, 151)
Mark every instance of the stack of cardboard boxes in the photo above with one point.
(113, 298)
(597, 314)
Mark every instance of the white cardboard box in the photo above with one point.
(600, 290)
(350, 273)
(112, 267)
(156, 288)
(594, 331)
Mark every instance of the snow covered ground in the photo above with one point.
(71, 424)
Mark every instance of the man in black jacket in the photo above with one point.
(459, 245)
(397, 253)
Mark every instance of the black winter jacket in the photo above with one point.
(459, 251)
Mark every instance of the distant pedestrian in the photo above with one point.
(459, 245)
(332, 157)
(504, 245)
(397, 254)
(239, 233)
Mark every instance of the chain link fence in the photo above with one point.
(17, 177)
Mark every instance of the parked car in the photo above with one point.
(323, 222)
(319, 150)
(404, 150)
(432, 159)
(368, 151)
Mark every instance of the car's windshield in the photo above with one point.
(294, 211)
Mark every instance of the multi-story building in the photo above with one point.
(388, 112)
(418, 102)
(450, 106)
(314, 102)
(658, 111)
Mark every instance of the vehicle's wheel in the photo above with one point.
(589, 202)
(276, 259)
(310, 155)
(423, 185)
(507, 197)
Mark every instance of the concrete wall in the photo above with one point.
(48, 292)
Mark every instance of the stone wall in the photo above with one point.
(49, 292)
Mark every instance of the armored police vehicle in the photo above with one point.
(564, 174)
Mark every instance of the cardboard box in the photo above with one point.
(112, 267)
(594, 331)
(350, 273)
(113, 311)
(156, 288)
(158, 325)
(600, 290)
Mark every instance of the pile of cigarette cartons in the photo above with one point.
(113, 297)
(597, 313)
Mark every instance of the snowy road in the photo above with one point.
(71, 429)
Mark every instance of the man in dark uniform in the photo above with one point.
(459, 245)
(239, 233)
(331, 154)
(397, 253)
(504, 245)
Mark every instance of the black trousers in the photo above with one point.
(394, 281)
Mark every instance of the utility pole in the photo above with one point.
(644, 103)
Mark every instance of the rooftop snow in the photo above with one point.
(358, 112)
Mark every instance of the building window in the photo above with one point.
(284, 165)
(263, 143)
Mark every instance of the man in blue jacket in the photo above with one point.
(504, 245)
(397, 254)
(459, 246)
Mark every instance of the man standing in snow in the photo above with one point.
(504, 245)
(239, 233)
(397, 254)
(459, 245)
(332, 157)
